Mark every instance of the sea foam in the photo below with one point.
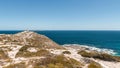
(103, 50)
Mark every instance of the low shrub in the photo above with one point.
(94, 65)
(18, 65)
(23, 52)
(66, 52)
(3, 55)
(96, 55)
(58, 61)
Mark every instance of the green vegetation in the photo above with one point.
(96, 55)
(94, 65)
(66, 52)
(50, 60)
(58, 61)
(18, 65)
(23, 52)
(3, 55)
(58, 65)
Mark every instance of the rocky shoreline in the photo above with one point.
(31, 50)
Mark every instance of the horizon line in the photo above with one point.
(60, 30)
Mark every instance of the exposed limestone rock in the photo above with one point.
(31, 50)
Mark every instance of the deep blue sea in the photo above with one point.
(99, 39)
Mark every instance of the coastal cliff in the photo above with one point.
(28, 49)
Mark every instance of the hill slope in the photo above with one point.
(28, 49)
(28, 38)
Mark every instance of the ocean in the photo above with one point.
(108, 40)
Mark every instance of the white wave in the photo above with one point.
(103, 50)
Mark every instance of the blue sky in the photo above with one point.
(60, 14)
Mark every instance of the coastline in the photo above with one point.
(99, 39)
(108, 51)
(31, 49)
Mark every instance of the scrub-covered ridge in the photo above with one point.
(28, 49)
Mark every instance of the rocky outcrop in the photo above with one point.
(97, 55)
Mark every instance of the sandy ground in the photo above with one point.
(74, 55)
(107, 64)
